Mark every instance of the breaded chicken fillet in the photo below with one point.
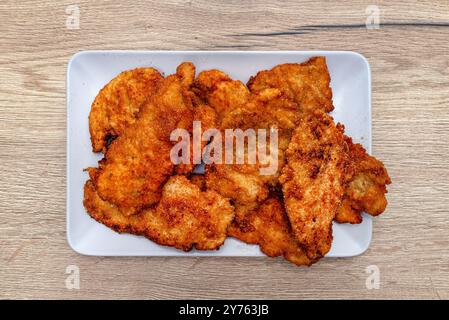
(307, 84)
(117, 105)
(268, 227)
(240, 182)
(313, 181)
(367, 188)
(138, 162)
(185, 217)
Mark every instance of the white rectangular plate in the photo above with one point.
(89, 71)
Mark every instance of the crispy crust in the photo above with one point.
(268, 227)
(307, 84)
(367, 189)
(347, 214)
(313, 181)
(238, 108)
(128, 177)
(208, 120)
(241, 183)
(117, 105)
(221, 92)
(272, 103)
(185, 217)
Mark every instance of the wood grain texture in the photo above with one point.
(409, 57)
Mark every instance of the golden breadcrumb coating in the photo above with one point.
(208, 119)
(307, 84)
(272, 104)
(138, 162)
(268, 227)
(240, 182)
(313, 181)
(185, 217)
(117, 105)
(367, 188)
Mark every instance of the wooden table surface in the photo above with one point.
(409, 57)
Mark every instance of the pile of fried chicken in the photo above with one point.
(322, 175)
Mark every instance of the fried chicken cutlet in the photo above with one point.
(117, 105)
(366, 190)
(289, 92)
(268, 227)
(307, 84)
(185, 217)
(207, 117)
(240, 182)
(313, 181)
(138, 162)
(237, 108)
(266, 108)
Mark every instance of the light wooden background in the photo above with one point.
(409, 57)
